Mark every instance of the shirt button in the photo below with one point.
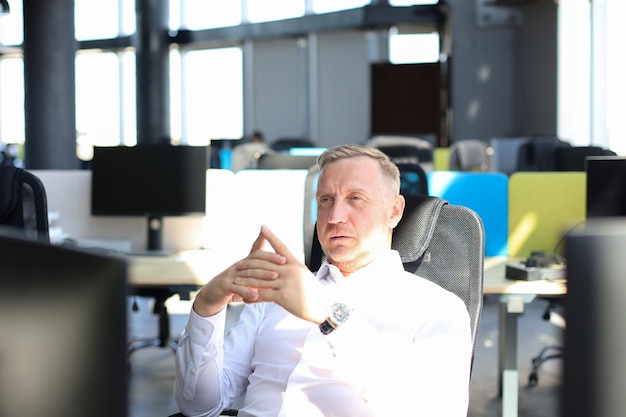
(205, 331)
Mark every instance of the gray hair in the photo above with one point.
(389, 169)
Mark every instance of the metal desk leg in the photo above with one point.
(510, 308)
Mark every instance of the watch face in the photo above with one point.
(340, 313)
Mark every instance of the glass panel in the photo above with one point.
(212, 100)
(413, 48)
(11, 25)
(97, 100)
(325, 6)
(12, 100)
(411, 2)
(615, 81)
(268, 10)
(204, 14)
(105, 19)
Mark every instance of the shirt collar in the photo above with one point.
(386, 263)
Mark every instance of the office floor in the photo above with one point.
(152, 372)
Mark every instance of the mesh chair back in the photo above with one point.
(469, 155)
(444, 243)
(441, 242)
(23, 202)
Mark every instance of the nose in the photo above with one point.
(338, 213)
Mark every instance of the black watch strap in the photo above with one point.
(326, 327)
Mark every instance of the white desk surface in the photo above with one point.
(186, 268)
(197, 267)
(496, 283)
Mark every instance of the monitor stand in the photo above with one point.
(155, 238)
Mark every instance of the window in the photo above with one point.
(105, 100)
(103, 20)
(204, 14)
(591, 86)
(12, 100)
(210, 103)
(413, 47)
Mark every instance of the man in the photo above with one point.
(360, 338)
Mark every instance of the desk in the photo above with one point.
(513, 296)
(161, 277)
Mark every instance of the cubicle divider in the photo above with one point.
(274, 197)
(484, 192)
(529, 211)
(543, 207)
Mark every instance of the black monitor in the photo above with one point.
(63, 334)
(594, 370)
(606, 186)
(149, 180)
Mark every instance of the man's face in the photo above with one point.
(356, 212)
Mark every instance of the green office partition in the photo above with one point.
(543, 206)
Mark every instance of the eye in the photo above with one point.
(324, 200)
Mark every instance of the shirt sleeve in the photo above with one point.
(203, 384)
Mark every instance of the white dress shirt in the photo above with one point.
(405, 351)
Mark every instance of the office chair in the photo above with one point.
(538, 154)
(573, 158)
(284, 144)
(441, 242)
(405, 149)
(438, 241)
(163, 338)
(285, 161)
(469, 155)
(413, 178)
(24, 203)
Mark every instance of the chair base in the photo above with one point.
(163, 339)
(540, 359)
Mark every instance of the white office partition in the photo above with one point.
(274, 197)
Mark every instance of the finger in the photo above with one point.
(258, 243)
(256, 283)
(277, 244)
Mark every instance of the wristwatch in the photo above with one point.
(338, 314)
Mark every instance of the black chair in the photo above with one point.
(163, 338)
(573, 158)
(24, 203)
(285, 144)
(538, 153)
(413, 178)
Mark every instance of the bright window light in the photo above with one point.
(12, 100)
(413, 48)
(269, 10)
(212, 96)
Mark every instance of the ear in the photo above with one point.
(397, 209)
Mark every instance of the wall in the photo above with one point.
(503, 75)
(503, 79)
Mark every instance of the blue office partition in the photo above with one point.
(484, 192)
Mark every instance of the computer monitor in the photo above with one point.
(606, 186)
(149, 180)
(63, 334)
(594, 370)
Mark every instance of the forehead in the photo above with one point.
(360, 172)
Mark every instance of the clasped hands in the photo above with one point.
(266, 276)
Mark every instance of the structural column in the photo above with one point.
(49, 86)
(153, 118)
